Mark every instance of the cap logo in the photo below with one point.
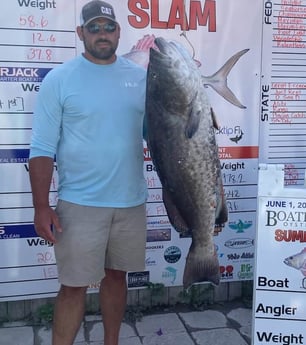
(106, 10)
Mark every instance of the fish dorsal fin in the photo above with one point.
(214, 118)
(194, 120)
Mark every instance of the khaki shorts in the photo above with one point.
(95, 238)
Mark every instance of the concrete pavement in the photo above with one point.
(217, 325)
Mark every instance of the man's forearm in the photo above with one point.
(41, 171)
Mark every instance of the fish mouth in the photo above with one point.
(161, 44)
(161, 48)
(169, 64)
(169, 48)
(159, 55)
(175, 51)
(167, 52)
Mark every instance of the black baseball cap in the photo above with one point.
(97, 9)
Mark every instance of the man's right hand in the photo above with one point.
(46, 222)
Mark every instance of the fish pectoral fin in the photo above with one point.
(192, 123)
(221, 207)
(174, 215)
(222, 215)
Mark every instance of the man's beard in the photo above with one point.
(101, 54)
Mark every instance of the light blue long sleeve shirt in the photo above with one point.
(91, 117)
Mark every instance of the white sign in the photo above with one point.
(280, 279)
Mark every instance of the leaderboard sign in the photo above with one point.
(280, 280)
(37, 36)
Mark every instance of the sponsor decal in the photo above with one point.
(246, 272)
(233, 256)
(247, 255)
(138, 279)
(153, 247)
(154, 235)
(235, 133)
(23, 74)
(226, 272)
(239, 243)
(158, 222)
(14, 156)
(8, 232)
(169, 274)
(244, 255)
(150, 262)
(172, 254)
(240, 226)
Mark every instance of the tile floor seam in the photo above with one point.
(184, 324)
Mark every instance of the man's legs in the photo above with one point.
(113, 295)
(125, 252)
(68, 314)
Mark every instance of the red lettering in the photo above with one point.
(209, 13)
(278, 235)
(298, 236)
(141, 18)
(155, 23)
(145, 12)
(177, 7)
(290, 235)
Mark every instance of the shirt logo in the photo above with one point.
(130, 84)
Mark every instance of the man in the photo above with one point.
(89, 114)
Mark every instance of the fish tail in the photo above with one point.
(218, 81)
(201, 268)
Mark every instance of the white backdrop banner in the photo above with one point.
(36, 36)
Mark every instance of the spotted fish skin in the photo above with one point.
(181, 139)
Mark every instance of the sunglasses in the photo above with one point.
(94, 28)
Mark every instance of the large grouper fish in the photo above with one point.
(181, 139)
